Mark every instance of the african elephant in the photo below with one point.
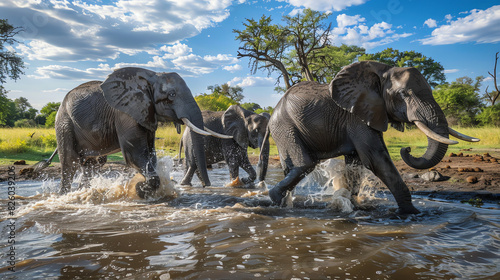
(313, 122)
(248, 130)
(97, 118)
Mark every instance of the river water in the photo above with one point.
(104, 232)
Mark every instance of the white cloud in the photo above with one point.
(431, 23)
(447, 71)
(79, 31)
(232, 68)
(57, 90)
(352, 30)
(175, 51)
(480, 26)
(251, 81)
(326, 5)
(70, 73)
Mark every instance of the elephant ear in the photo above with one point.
(234, 122)
(129, 90)
(266, 115)
(358, 89)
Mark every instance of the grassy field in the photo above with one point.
(35, 144)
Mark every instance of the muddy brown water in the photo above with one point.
(218, 232)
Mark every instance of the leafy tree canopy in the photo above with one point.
(214, 101)
(11, 65)
(50, 107)
(432, 71)
(459, 101)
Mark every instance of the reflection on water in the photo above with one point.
(224, 233)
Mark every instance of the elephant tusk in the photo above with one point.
(462, 136)
(194, 128)
(218, 135)
(433, 135)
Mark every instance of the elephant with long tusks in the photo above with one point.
(122, 113)
(313, 122)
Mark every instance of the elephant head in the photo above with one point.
(149, 97)
(379, 94)
(249, 130)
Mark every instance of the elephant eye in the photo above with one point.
(171, 93)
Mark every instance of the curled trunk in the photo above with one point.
(432, 156)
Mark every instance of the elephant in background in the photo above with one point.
(97, 118)
(313, 122)
(248, 130)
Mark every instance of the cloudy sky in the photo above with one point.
(68, 42)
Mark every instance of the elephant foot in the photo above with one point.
(277, 196)
(408, 209)
(146, 189)
(235, 183)
(261, 185)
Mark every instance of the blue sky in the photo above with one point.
(66, 42)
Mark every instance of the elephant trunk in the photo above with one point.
(195, 117)
(263, 157)
(436, 148)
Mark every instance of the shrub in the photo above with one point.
(24, 123)
(490, 115)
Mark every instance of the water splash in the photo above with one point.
(342, 187)
(103, 188)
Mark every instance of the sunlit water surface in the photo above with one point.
(104, 232)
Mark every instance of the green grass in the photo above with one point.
(22, 144)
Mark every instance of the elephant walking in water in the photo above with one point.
(313, 122)
(122, 113)
(248, 130)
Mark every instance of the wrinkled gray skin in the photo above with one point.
(100, 118)
(248, 130)
(313, 122)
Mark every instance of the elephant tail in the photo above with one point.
(37, 167)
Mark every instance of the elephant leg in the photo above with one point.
(247, 166)
(375, 156)
(137, 146)
(68, 158)
(189, 175)
(293, 174)
(352, 172)
(69, 166)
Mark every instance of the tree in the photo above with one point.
(214, 102)
(328, 61)
(250, 106)
(23, 107)
(264, 44)
(7, 109)
(493, 95)
(50, 107)
(235, 93)
(459, 100)
(432, 71)
(11, 65)
(307, 34)
(297, 42)
(51, 120)
(490, 115)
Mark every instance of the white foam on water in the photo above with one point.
(333, 180)
(103, 189)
